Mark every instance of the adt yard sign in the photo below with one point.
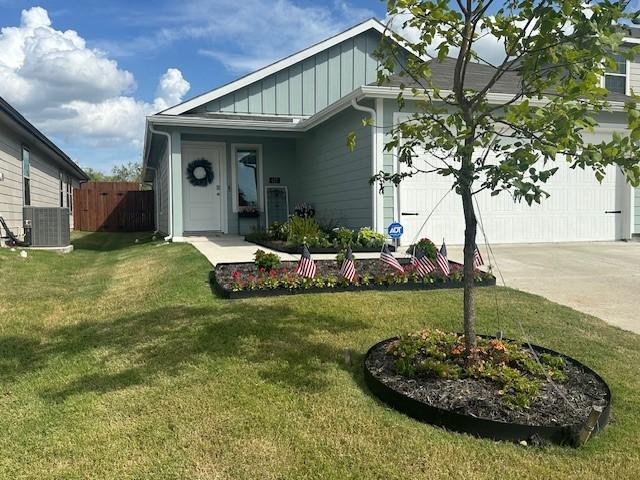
(395, 230)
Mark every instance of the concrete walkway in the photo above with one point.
(601, 278)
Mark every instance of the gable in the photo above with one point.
(308, 86)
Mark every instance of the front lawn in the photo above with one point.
(118, 362)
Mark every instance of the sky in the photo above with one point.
(86, 73)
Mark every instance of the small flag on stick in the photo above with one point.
(477, 258)
(306, 266)
(389, 259)
(421, 262)
(442, 260)
(348, 268)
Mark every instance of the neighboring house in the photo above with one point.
(287, 125)
(33, 171)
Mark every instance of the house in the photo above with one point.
(33, 170)
(277, 137)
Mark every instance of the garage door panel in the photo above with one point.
(575, 210)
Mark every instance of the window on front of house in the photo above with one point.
(61, 189)
(615, 80)
(247, 169)
(26, 175)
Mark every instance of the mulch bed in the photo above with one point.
(564, 404)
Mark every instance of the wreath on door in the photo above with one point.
(200, 172)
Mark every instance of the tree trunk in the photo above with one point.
(471, 224)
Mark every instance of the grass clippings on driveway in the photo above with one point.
(117, 362)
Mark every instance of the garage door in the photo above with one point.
(575, 211)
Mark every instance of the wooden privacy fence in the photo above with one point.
(112, 207)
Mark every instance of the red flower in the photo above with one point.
(272, 273)
(236, 274)
(262, 270)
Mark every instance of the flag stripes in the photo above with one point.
(306, 266)
(348, 268)
(421, 262)
(477, 258)
(389, 259)
(442, 260)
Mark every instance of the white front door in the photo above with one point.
(202, 204)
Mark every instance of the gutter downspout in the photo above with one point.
(374, 160)
(155, 196)
(170, 189)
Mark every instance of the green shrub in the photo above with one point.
(370, 238)
(268, 261)
(278, 231)
(427, 247)
(343, 237)
(306, 230)
(518, 375)
(341, 256)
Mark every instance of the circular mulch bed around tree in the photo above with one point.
(472, 406)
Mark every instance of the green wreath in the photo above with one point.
(200, 172)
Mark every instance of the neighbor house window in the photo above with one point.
(26, 175)
(615, 80)
(69, 194)
(60, 176)
(247, 169)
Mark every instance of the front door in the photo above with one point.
(202, 187)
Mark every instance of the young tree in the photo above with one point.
(554, 52)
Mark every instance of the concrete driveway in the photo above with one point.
(600, 278)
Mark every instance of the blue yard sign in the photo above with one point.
(395, 230)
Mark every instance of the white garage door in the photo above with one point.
(575, 211)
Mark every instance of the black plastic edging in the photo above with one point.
(482, 427)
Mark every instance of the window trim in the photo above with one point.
(626, 75)
(25, 178)
(234, 174)
(61, 183)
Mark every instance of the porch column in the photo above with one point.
(176, 176)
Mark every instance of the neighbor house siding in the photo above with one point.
(44, 179)
(333, 179)
(308, 86)
(11, 185)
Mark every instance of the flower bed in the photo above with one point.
(244, 280)
(507, 395)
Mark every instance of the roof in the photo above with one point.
(477, 77)
(17, 117)
(258, 75)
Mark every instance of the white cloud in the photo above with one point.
(74, 92)
(171, 88)
(242, 35)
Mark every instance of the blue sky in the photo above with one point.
(87, 72)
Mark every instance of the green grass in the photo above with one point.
(117, 362)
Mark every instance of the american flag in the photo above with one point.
(389, 259)
(306, 266)
(442, 260)
(421, 262)
(477, 258)
(348, 269)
